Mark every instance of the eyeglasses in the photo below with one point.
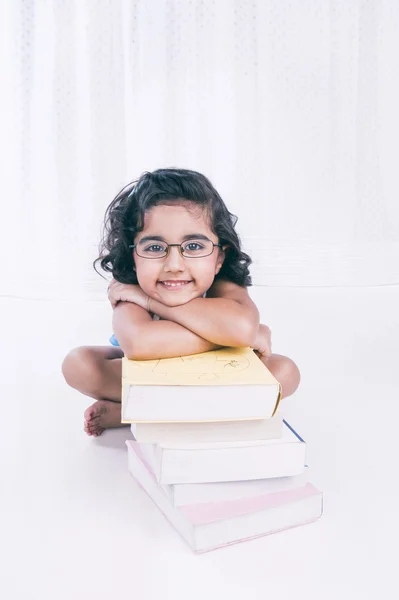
(188, 249)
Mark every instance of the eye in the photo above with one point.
(193, 246)
(154, 248)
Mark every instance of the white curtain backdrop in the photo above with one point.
(289, 107)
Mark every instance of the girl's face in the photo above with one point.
(175, 279)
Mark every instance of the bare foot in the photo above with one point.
(101, 415)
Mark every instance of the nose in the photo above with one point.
(174, 261)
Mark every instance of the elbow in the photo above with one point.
(136, 353)
(129, 351)
(130, 348)
(139, 351)
(131, 355)
(246, 327)
(249, 330)
(247, 336)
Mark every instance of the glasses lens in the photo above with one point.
(197, 248)
(152, 249)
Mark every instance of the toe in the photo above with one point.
(100, 415)
(95, 411)
(96, 430)
(89, 413)
(87, 428)
(92, 427)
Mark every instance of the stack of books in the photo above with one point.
(212, 449)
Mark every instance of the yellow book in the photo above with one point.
(230, 384)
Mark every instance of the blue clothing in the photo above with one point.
(113, 340)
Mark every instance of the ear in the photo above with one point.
(220, 259)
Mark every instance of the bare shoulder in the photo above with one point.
(223, 288)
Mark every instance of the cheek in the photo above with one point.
(146, 273)
(205, 270)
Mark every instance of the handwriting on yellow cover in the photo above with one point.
(226, 366)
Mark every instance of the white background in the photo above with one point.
(290, 107)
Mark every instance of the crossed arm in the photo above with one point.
(226, 317)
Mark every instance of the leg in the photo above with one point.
(97, 372)
(285, 371)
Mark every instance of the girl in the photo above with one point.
(179, 287)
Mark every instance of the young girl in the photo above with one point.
(179, 287)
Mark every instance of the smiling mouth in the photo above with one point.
(174, 285)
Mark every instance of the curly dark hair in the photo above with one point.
(124, 218)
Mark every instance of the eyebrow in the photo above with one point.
(159, 238)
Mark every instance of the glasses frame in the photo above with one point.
(180, 249)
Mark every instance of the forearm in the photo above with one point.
(155, 339)
(222, 321)
(164, 339)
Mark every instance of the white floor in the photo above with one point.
(75, 525)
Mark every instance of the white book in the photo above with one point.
(227, 461)
(213, 525)
(220, 431)
(180, 494)
(229, 384)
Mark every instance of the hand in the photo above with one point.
(263, 342)
(123, 292)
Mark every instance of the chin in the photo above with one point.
(178, 299)
(175, 301)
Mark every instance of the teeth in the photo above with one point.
(175, 284)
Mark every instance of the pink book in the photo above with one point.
(212, 525)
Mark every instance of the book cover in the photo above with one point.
(198, 493)
(227, 461)
(226, 384)
(220, 431)
(213, 525)
(226, 366)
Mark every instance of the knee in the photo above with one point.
(80, 365)
(294, 374)
(291, 377)
(286, 372)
